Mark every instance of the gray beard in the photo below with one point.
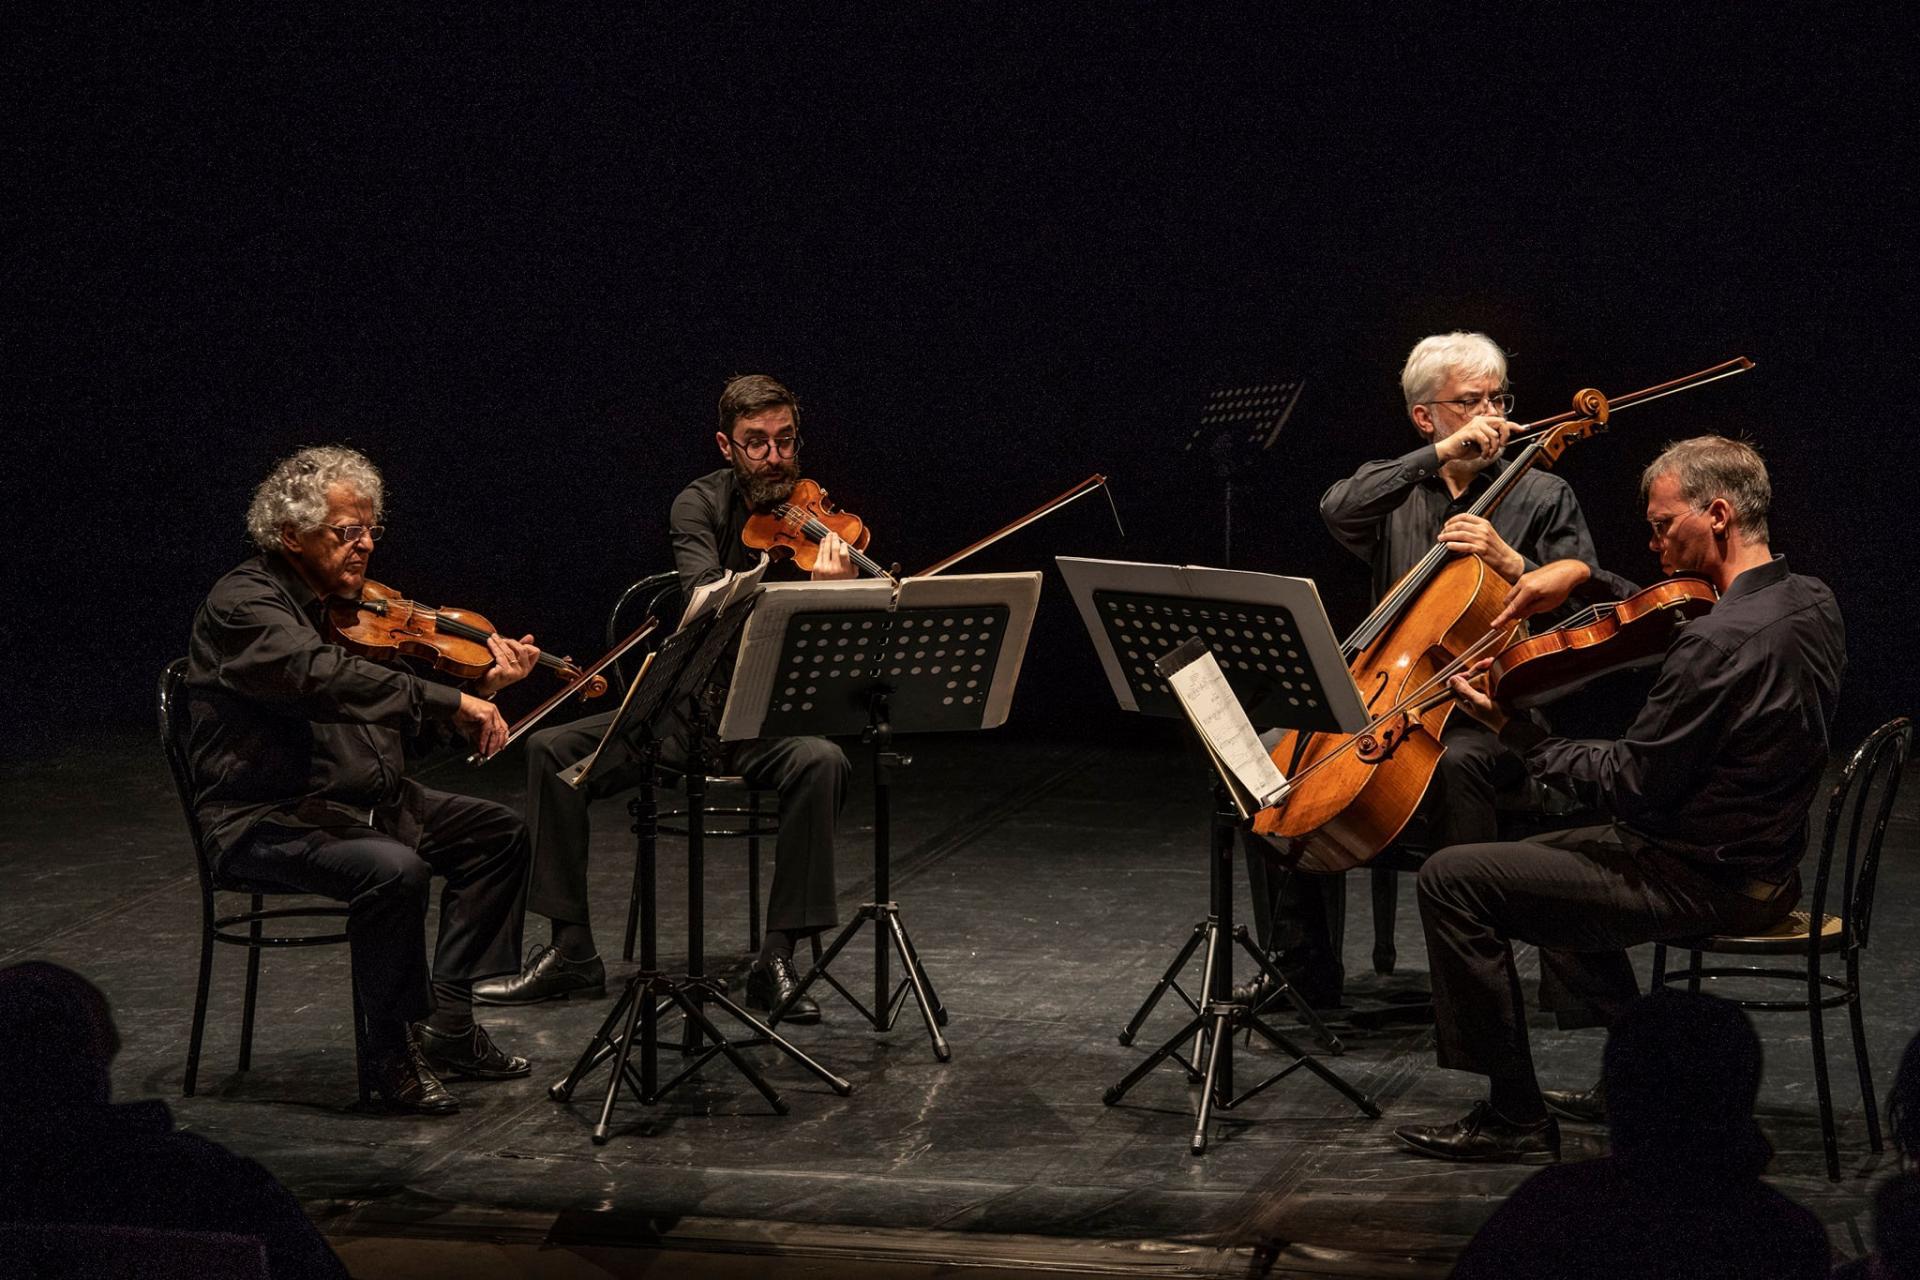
(766, 491)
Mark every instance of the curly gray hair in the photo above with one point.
(296, 491)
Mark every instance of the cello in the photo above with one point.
(1350, 795)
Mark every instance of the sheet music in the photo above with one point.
(1224, 727)
(709, 597)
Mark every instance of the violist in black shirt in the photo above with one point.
(758, 436)
(297, 752)
(1708, 789)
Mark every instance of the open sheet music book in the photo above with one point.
(710, 597)
(1217, 716)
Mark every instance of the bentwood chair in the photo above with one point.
(753, 817)
(214, 927)
(1860, 802)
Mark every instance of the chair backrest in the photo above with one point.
(1861, 802)
(175, 721)
(654, 596)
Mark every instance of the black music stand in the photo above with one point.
(928, 655)
(1278, 653)
(1237, 425)
(673, 678)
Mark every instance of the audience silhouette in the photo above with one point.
(71, 1156)
(1896, 1202)
(1680, 1196)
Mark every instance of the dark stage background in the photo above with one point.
(513, 253)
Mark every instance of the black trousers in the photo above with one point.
(1582, 897)
(384, 871)
(1301, 913)
(810, 775)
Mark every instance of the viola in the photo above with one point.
(1606, 637)
(383, 625)
(795, 528)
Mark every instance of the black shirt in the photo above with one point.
(1722, 763)
(1390, 512)
(705, 525)
(287, 727)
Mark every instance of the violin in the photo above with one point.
(1606, 637)
(794, 530)
(798, 528)
(383, 625)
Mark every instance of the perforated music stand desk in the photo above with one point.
(869, 657)
(1278, 653)
(678, 671)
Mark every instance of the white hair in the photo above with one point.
(296, 491)
(1471, 355)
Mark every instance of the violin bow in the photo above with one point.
(1078, 491)
(1725, 369)
(541, 712)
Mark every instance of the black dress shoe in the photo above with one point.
(769, 984)
(1584, 1106)
(548, 975)
(1485, 1135)
(1261, 988)
(405, 1082)
(473, 1055)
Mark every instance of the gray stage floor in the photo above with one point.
(1047, 885)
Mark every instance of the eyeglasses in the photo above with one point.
(351, 533)
(1660, 527)
(757, 448)
(1500, 402)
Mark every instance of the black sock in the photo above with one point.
(573, 939)
(776, 942)
(452, 1008)
(1518, 1100)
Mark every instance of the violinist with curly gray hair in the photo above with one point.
(297, 752)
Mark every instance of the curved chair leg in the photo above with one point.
(1659, 979)
(1820, 1083)
(253, 986)
(1386, 905)
(753, 872)
(199, 1005)
(360, 1044)
(1857, 1017)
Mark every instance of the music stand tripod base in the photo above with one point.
(925, 655)
(1279, 656)
(681, 667)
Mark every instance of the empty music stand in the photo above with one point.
(876, 658)
(1237, 425)
(672, 677)
(1279, 655)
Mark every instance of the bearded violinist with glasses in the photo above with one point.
(1389, 513)
(759, 439)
